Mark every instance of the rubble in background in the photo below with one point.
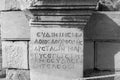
(109, 5)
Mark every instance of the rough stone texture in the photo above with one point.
(15, 4)
(103, 26)
(14, 26)
(18, 75)
(109, 5)
(106, 5)
(14, 54)
(25, 4)
(56, 67)
(9, 5)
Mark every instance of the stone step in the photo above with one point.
(23, 4)
(55, 12)
(81, 7)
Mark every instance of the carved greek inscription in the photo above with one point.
(56, 51)
(57, 61)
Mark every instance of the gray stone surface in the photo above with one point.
(109, 5)
(2, 79)
(88, 55)
(18, 75)
(103, 26)
(9, 5)
(108, 56)
(14, 26)
(14, 54)
(15, 4)
(54, 56)
(25, 4)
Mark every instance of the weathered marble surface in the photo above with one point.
(17, 75)
(56, 53)
(14, 26)
(18, 29)
(15, 54)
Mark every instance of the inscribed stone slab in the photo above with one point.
(14, 54)
(56, 53)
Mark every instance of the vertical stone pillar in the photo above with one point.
(57, 39)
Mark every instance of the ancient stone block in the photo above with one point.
(17, 75)
(109, 5)
(56, 53)
(2, 3)
(103, 26)
(15, 4)
(107, 55)
(9, 5)
(14, 54)
(14, 26)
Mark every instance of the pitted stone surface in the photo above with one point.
(56, 53)
(14, 54)
(18, 75)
